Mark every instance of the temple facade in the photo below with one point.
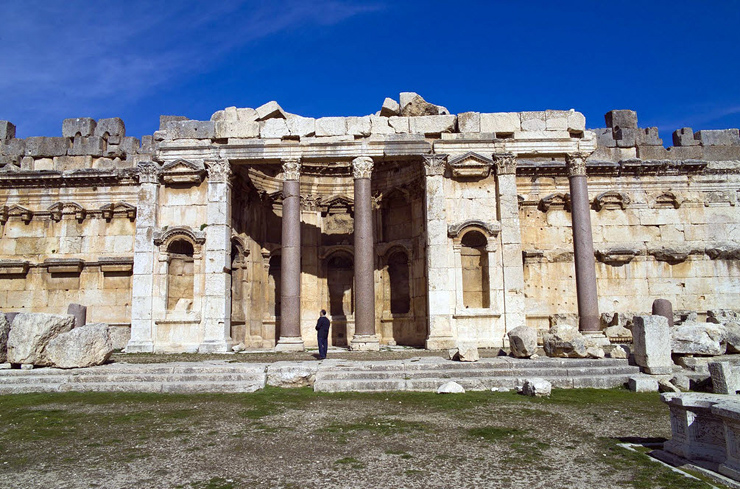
(410, 227)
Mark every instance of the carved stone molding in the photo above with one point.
(611, 200)
(116, 264)
(616, 257)
(492, 228)
(196, 237)
(505, 163)
(56, 211)
(64, 265)
(362, 167)
(148, 172)
(470, 165)
(667, 199)
(555, 202)
(671, 256)
(183, 172)
(576, 164)
(14, 267)
(435, 164)
(291, 170)
(108, 211)
(219, 171)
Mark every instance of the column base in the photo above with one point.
(216, 346)
(440, 343)
(361, 342)
(139, 347)
(290, 343)
(596, 338)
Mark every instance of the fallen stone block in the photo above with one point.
(725, 378)
(536, 387)
(682, 382)
(694, 338)
(390, 107)
(42, 146)
(652, 346)
(467, 351)
(270, 110)
(718, 137)
(665, 385)
(31, 334)
(4, 332)
(288, 374)
(81, 126)
(626, 119)
(564, 341)
(450, 388)
(595, 352)
(7, 130)
(413, 105)
(619, 351)
(643, 384)
(81, 347)
(112, 130)
(523, 341)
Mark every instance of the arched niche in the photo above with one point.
(180, 274)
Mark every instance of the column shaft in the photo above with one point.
(583, 247)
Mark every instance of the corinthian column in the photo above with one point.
(290, 261)
(364, 337)
(583, 245)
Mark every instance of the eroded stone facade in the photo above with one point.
(182, 237)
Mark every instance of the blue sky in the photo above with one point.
(675, 62)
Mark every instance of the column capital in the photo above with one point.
(291, 169)
(576, 163)
(434, 164)
(219, 171)
(362, 167)
(148, 172)
(505, 163)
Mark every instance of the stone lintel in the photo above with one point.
(64, 265)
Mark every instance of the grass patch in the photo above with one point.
(350, 462)
(378, 425)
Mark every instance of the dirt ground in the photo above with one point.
(297, 438)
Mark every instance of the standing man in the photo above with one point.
(322, 326)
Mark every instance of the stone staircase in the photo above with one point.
(427, 374)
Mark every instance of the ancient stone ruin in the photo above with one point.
(411, 226)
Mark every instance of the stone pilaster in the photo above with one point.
(364, 337)
(290, 264)
(217, 290)
(145, 254)
(440, 270)
(511, 241)
(583, 245)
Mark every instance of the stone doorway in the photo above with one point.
(340, 288)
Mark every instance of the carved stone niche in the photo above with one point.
(555, 202)
(616, 257)
(108, 211)
(492, 228)
(667, 199)
(337, 204)
(611, 200)
(183, 172)
(470, 166)
(16, 210)
(13, 267)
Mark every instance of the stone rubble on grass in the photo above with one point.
(651, 350)
(619, 351)
(450, 388)
(82, 347)
(536, 387)
(695, 338)
(523, 341)
(466, 351)
(643, 383)
(30, 335)
(564, 341)
(290, 374)
(4, 332)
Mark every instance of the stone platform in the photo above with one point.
(332, 375)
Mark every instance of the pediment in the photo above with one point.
(557, 201)
(667, 199)
(15, 210)
(60, 208)
(611, 200)
(337, 203)
(119, 208)
(470, 165)
(183, 172)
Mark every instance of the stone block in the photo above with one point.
(625, 119)
(556, 120)
(523, 341)
(500, 122)
(236, 129)
(390, 107)
(720, 153)
(81, 126)
(643, 384)
(302, 126)
(413, 105)
(274, 128)
(653, 153)
(432, 125)
(400, 125)
(720, 137)
(7, 130)
(191, 130)
(380, 125)
(4, 333)
(450, 387)
(147, 145)
(13, 147)
(46, 147)
(291, 374)
(576, 121)
(112, 130)
(79, 312)
(533, 121)
(166, 119)
(694, 338)
(331, 126)
(270, 110)
(31, 334)
(536, 387)
(358, 126)
(625, 137)
(725, 378)
(685, 152)
(84, 346)
(605, 138)
(83, 145)
(649, 136)
(130, 145)
(684, 137)
(468, 122)
(652, 344)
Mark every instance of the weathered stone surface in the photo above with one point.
(694, 338)
(79, 312)
(536, 387)
(467, 351)
(236, 129)
(31, 334)
(682, 382)
(166, 119)
(619, 351)
(564, 341)
(358, 126)
(13, 147)
(533, 121)
(684, 137)
(191, 130)
(725, 378)
(595, 352)
(390, 107)
(93, 146)
(380, 125)
(468, 122)
(290, 374)
(649, 136)
(500, 122)
(730, 322)
(7, 130)
(399, 124)
(4, 332)
(85, 346)
(274, 128)
(112, 130)
(523, 341)
(625, 119)
(301, 126)
(652, 346)
(41, 146)
(331, 126)
(643, 383)
(82, 126)
(413, 105)
(625, 137)
(619, 333)
(270, 110)
(576, 121)
(432, 125)
(450, 388)
(665, 385)
(718, 137)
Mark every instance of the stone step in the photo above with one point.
(28, 388)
